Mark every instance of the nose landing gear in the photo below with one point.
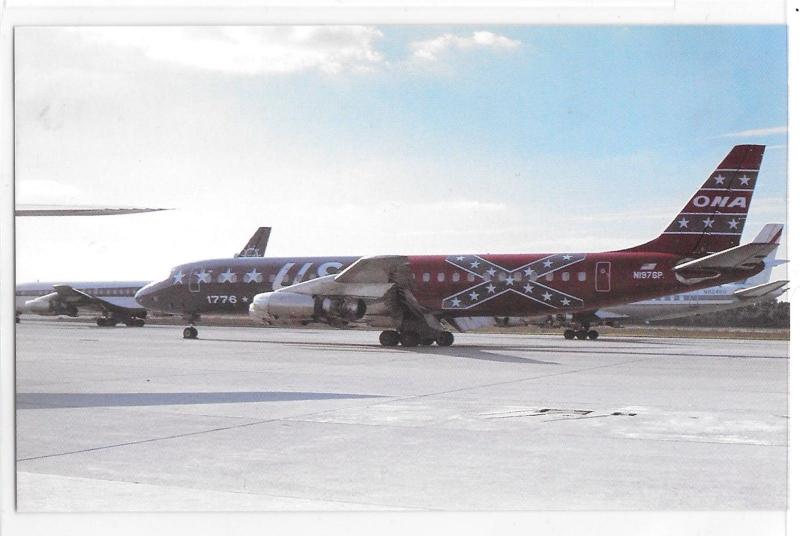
(190, 332)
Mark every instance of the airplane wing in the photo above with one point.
(66, 210)
(759, 291)
(78, 298)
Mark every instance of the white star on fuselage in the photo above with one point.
(177, 279)
(567, 257)
(245, 298)
(708, 222)
(547, 296)
(684, 223)
(509, 279)
(490, 288)
(491, 272)
(528, 271)
(460, 258)
(548, 264)
(203, 276)
(565, 301)
(474, 264)
(473, 296)
(456, 302)
(528, 288)
(227, 276)
(252, 276)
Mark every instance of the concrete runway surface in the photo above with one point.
(243, 419)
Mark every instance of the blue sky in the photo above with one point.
(364, 140)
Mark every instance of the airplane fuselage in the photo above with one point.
(453, 285)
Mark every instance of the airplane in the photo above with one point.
(416, 298)
(729, 296)
(114, 300)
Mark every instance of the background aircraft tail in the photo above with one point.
(714, 217)
(257, 245)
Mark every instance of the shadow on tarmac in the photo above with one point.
(93, 400)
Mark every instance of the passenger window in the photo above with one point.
(549, 277)
(456, 277)
(440, 277)
(564, 276)
(581, 276)
(470, 277)
(518, 276)
(426, 277)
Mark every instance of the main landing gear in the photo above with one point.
(581, 334)
(412, 338)
(110, 321)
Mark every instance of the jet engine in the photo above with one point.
(49, 304)
(292, 307)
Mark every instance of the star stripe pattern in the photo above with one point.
(498, 280)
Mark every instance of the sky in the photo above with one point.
(357, 140)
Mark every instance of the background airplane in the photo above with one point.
(416, 296)
(113, 300)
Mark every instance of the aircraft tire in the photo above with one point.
(409, 339)
(445, 338)
(569, 334)
(581, 334)
(389, 338)
(190, 332)
(593, 334)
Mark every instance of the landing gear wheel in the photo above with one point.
(569, 334)
(445, 338)
(581, 334)
(593, 334)
(426, 342)
(190, 332)
(389, 338)
(409, 339)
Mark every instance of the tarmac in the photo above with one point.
(252, 419)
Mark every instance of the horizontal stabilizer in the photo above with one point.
(770, 234)
(743, 257)
(760, 290)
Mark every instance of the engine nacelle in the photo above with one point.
(49, 304)
(292, 307)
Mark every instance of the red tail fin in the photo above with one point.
(714, 217)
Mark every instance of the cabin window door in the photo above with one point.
(602, 276)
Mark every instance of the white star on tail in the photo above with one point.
(734, 224)
(745, 180)
(719, 178)
(708, 222)
(684, 223)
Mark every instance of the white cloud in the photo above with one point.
(254, 50)
(755, 132)
(434, 49)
